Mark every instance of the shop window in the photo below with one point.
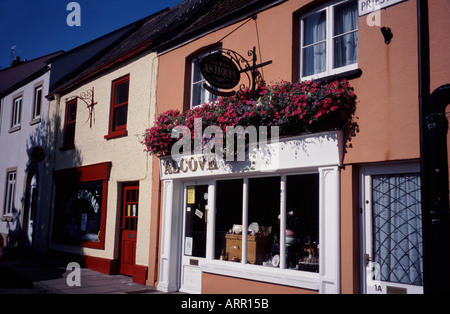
(199, 95)
(119, 107)
(70, 124)
(80, 206)
(264, 229)
(329, 40)
(10, 192)
(37, 103)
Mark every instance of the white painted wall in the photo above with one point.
(14, 147)
(129, 162)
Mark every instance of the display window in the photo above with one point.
(80, 206)
(264, 221)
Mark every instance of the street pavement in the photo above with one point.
(36, 274)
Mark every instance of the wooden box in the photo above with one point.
(256, 248)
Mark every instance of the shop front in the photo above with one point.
(269, 223)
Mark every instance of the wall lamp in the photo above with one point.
(387, 34)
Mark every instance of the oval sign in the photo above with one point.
(220, 71)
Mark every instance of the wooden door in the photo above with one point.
(130, 211)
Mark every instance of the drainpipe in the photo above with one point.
(434, 167)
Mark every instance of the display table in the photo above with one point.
(256, 248)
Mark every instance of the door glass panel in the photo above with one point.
(195, 223)
(397, 232)
(131, 207)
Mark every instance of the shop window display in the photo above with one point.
(264, 221)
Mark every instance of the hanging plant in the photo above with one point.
(296, 108)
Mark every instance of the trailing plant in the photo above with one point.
(296, 108)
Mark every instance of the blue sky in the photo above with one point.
(39, 27)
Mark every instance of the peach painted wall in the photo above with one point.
(387, 110)
(215, 284)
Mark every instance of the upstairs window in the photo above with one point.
(119, 107)
(10, 191)
(37, 103)
(199, 95)
(329, 40)
(16, 113)
(69, 124)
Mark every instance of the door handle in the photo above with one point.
(368, 259)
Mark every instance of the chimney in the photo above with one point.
(16, 61)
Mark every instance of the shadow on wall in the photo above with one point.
(30, 222)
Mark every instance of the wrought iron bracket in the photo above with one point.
(88, 98)
(248, 68)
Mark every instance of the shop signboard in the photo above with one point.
(220, 71)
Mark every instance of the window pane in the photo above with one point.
(37, 102)
(345, 18)
(198, 94)
(314, 28)
(72, 112)
(197, 74)
(314, 59)
(122, 92)
(397, 228)
(228, 213)
(263, 210)
(121, 114)
(69, 136)
(16, 111)
(345, 50)
(302, 222)
(196, 219)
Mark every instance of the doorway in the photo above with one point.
(128, 229)
(392, 260)
(194, 236)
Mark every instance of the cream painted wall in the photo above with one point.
(129, 162)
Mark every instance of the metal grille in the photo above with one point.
(397, 228)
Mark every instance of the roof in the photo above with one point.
(169, 28)
(13, 77)
(220, 14)
(159, 25)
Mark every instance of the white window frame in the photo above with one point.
(195, 65)
(11, 179)
(38, 93)
(325, 282)
(16, 112)
(329, 70)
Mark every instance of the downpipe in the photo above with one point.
(436, 193)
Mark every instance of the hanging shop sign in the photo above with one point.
(224, 69)
(369, 6)
(220, 71)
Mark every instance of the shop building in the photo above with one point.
(353, 192)
(23, 133)
(100, 196)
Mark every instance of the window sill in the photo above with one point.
(35, 121)
(349, 74)
(7, 218)
(116, 134)
(67, 147)
(286, 277)
(14, 129)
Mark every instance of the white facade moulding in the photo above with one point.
(300, 152)
(320, 152)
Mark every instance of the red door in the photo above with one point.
(129, 229)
